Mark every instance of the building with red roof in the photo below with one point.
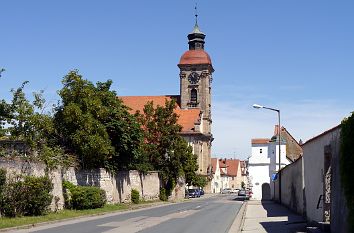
(193, 104)
(228, 173)
(264, 161)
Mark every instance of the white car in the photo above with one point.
(226, 191)
(234, 191)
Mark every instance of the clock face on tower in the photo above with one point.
(193, 78)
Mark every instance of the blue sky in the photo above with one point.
(297, 56)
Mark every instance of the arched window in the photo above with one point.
(194, 96)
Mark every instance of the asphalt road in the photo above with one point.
(207, 214)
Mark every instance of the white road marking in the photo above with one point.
(137, 224)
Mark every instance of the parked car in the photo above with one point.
(226, 191)
(242, 193)
(201, 192)
(193, 193)
(249, 193)
(234, 191)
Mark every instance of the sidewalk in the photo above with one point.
(268, 216)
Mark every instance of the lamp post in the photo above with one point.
(257, 106)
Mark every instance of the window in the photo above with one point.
(194, 97)
(260, 151)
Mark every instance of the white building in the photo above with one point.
(216, 182)
(264, 162)
(220, 179)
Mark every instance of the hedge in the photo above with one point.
(135, 196)
(347, 164)
(26, 195)
(83, 197)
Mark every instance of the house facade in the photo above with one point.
(263, 164)
(227, 173)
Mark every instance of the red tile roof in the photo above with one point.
(213, 164)
(222, 163)
(232, 166)
(260, 141)
(187, 117)
(198, 56)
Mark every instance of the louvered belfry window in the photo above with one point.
(194, 96)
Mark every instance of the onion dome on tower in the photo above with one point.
(196, 53)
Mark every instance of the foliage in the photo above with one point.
(27, 195)
(163, 195)
(243, 185)
(94, 124)
(164, 149)
(83, 197)
(135, 196)
(5, 113)
(200, 181)
(347, 164)
(27, 122)
(2, 182)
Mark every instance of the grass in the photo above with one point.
(66, 214)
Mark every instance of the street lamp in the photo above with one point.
(257, 106)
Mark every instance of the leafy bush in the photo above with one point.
(2, 180)
(346, 166)
(163, 195)
(67, 189)
(2, 184)
(26, 195)
(37, 194)
(83, 197)
(135, 196)
(12, 201)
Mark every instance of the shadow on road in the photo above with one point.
(240, 198)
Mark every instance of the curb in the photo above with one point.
(237, 225)
(78, 218)
(97, 215)
(243, 217)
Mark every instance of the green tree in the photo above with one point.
(163, 146)
(199, 181)
(5, 113)
(346, 166)
(27, 122)
(94, 125)
(243, 185)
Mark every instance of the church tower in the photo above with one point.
(196, 77)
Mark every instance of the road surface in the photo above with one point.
(207, 214)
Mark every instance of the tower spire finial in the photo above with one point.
(196, 14)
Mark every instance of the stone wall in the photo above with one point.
(117, 186)
(179, 191)
(318, 171)
(22, 167)
(292, 187)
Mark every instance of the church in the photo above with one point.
(193, 101)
